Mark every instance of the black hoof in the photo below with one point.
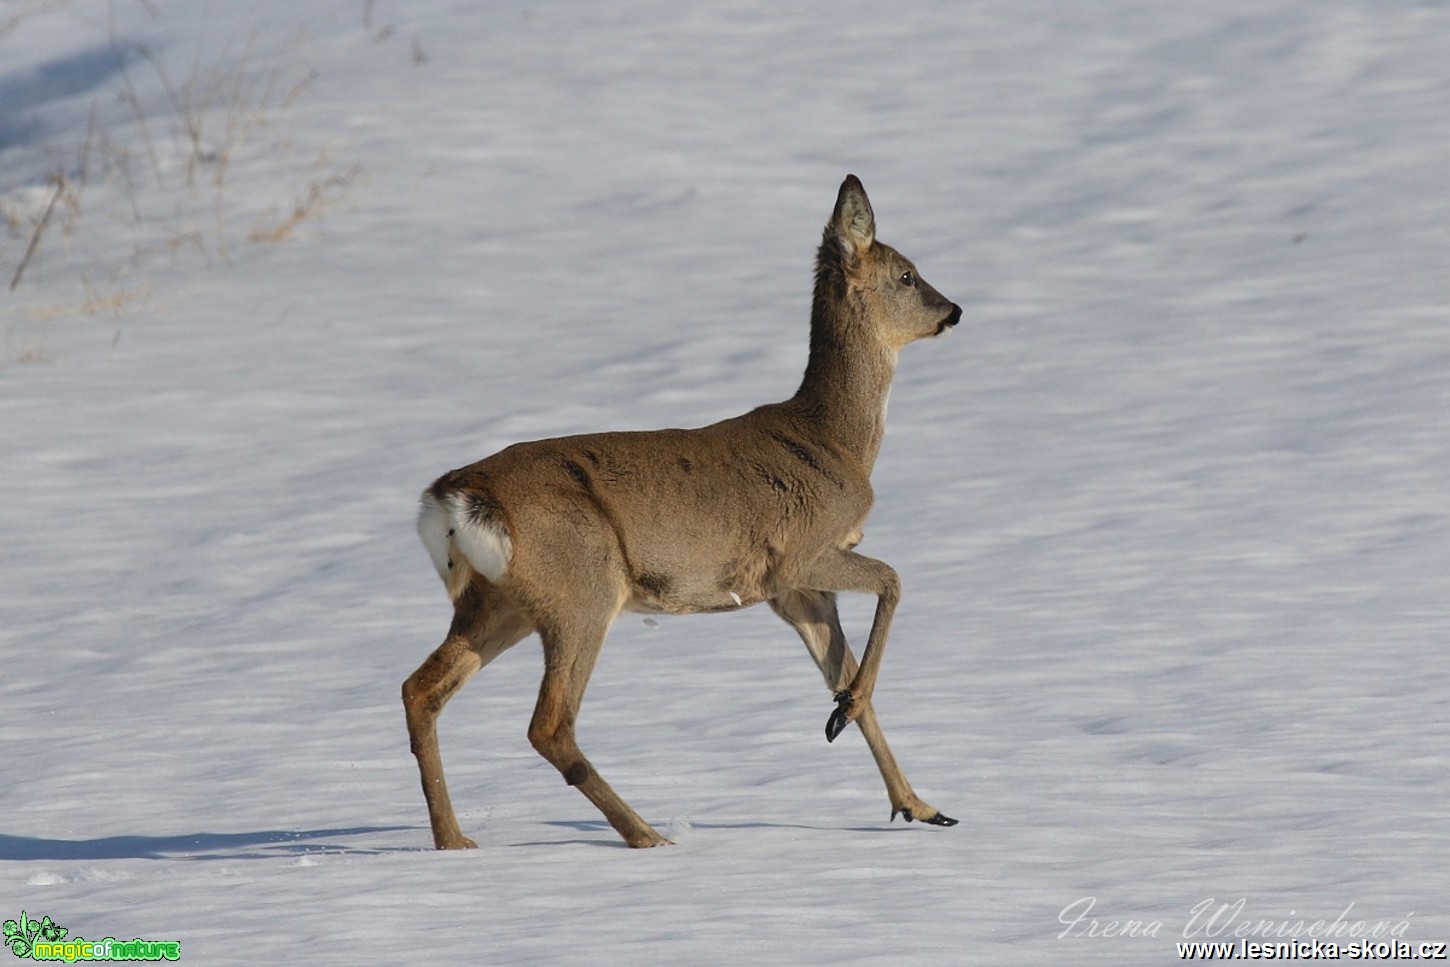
(940, 819)
(838, 720)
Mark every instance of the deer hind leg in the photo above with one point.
(484, 626)
(570, 651)
(814, 617)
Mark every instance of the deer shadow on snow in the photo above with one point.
(261, 844)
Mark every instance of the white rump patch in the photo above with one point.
(448, 529)
(484, 543)
(433, 527)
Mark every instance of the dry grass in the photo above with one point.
(218, 111)
(96, 303)
(310, 203)
(33, 351)
(168, 175)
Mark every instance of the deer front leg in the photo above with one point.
(855, 699)
(849, 571)
(813, 615)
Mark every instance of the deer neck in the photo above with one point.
(847, 381)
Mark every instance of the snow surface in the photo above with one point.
(1169, 507)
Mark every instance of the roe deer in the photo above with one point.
(559, 536)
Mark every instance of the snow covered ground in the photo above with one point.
(1170, 506)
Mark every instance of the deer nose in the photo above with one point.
(954, 318)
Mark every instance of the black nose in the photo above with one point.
(954, 318)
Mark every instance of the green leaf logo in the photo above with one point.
(20, 936)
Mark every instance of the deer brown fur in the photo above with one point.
(559, 536)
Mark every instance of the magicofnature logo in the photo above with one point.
(44, 939)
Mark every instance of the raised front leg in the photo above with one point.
(849, 571)
(814, 617)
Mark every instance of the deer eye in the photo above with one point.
(908, 279)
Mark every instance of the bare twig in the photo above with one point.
(60, 184)
(299, 89)
(192, 116)
(135, 102)
(83, 160)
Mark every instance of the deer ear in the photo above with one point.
(853, 223)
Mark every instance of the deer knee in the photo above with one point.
(415, 694)
(890, 592)
(541, 738)
(548, 736)
(425, 695)
(555, 742)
